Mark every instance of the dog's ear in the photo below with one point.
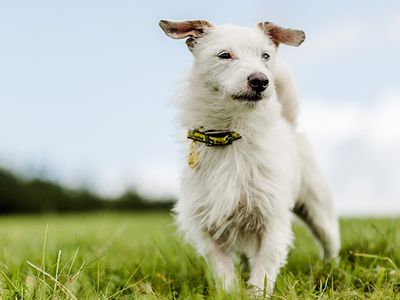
(282, 35)
(185, 29)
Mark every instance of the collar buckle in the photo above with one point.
(218, 137)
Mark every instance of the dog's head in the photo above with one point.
(234, 61)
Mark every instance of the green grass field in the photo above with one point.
(139, 256)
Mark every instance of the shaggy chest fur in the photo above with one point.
(245, 222)
(235, 188)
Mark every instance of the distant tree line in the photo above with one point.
(38, 195)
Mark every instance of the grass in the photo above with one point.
(139, 256)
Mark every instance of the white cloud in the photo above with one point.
(385, 126)
(358, 146)
(157, 180)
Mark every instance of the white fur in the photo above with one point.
(259, 177)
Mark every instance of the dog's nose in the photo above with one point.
(258, 81)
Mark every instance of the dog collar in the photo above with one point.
(213, 137)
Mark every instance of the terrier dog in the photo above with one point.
(248, 167)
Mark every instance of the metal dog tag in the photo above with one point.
(193, 158)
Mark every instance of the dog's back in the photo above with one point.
(286, 92)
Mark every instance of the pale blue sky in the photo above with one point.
(85, 85)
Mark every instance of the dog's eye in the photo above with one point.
(265, 56)
(224, 55)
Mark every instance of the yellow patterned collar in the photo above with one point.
(213, 137)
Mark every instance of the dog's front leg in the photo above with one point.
(271, 254)
(223, 266)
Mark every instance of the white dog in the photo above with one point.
(248, 168)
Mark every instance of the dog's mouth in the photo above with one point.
(248, 97)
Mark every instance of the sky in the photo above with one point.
(86, 86)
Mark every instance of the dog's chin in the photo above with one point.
(248, 98)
